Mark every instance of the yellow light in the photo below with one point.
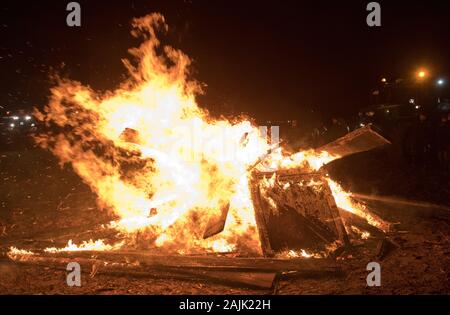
(421, 74)
(384, 80)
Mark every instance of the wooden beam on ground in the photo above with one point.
(360, 223)
(202, 262)
(256, 280)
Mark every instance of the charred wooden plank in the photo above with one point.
(143, 258)
(258, 273)
(249, 279)
(354, 220)
(260, 218)
(216, 223)
(359, 140)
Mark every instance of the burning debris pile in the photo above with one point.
(178, 180)
(302, 209)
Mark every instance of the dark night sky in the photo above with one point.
(272, 59)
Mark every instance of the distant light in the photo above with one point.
(361, 124)
(384, 80)
(411, 101)
(422, 73)
(387, 111)
(27, 117)
(417, 107)
(440, 82)
(12, 125)
(32, 125)
(15, 117)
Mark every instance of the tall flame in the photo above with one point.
(152, 156)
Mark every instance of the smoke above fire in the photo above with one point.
(160, 163)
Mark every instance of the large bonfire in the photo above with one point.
(158, 161)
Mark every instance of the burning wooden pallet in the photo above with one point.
(295, 209)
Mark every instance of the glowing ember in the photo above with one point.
(97, 245)
(363, 234)
(298, 254)
(14, 252)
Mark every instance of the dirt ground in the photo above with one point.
(44, 205)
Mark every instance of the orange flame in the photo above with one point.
(344, 201)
